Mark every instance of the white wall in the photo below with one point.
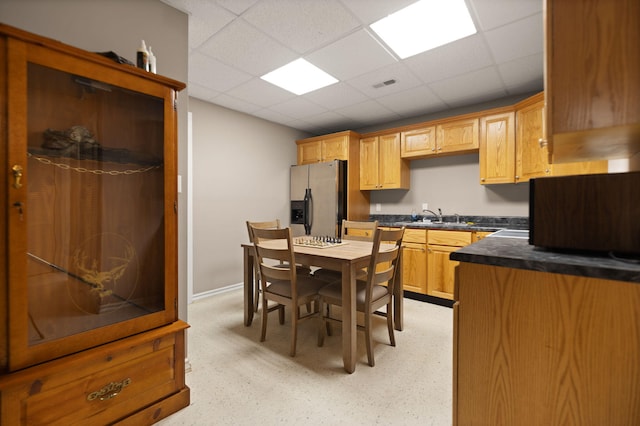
(119, 25)
(240, 172)
(453, 185)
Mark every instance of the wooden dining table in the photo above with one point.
(346, 258)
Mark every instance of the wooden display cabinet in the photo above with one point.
(89, 299)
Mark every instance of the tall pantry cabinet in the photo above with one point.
(89, 329)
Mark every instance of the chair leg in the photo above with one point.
(367, 337)
(256, 292)
(328, 323)
(321, 329)
(392, 337)
(265, 316)
(281, 314)
(294, 329)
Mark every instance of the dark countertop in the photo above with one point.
(459, 223)
(519, 254)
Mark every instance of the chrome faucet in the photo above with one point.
(437, 215)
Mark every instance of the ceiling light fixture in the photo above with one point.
(299, 77)
(425, 25)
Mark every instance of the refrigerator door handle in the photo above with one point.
(308, 214)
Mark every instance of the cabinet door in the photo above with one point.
(335, 148)
(369, 163)
(592, 114)
(418, 143)
(390, 164)
(414, 267)
(441, 271)
(309, 152)
(459, 135)
(532, 157)
(93, 232)
(497, 149)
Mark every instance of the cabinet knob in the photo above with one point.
(543, 142)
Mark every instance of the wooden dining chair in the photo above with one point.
(281, 282)
(355, 231)
(269, 224)
(374, 292)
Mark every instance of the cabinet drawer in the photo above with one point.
(415, 236)
(449, 238)
(99, 387)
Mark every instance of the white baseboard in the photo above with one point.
(215, 291)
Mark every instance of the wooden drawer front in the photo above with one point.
(97, 390)
(415, 236)
(449, 238)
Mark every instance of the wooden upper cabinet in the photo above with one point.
(457, 136)
(418, 142)
(532, 156)
(310, 152)
(324, 148)
(380, 164)
(497, 148)
(335, 148)
(592, 79)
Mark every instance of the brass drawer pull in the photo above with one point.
(109, 391)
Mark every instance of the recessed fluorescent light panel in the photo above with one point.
(299, 77)
(425, 25)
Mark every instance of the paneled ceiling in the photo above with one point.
(233, 42)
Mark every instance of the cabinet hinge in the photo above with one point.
(175, 206)
(175, 101)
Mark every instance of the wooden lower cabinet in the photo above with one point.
(537, 348)
(441, 270)
(137, 380)
(414, 260)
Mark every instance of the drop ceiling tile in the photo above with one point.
(471, 88)
(235, 104)
(417, 101)
(242, 46)
(368, 112)
(201, 92)
(523, 74)
(298, 108)
(460, 57)
(202, 28)
(495, 13)
(353, 55)
(213, 74)
(521, 38)
(397, 71)
(371, 11)
(260, 92)
(336, 96)
(271, 115)
(236, 6)
(302, 25)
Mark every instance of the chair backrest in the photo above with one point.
(274, 251)
(384, 259)
(270, 224)
(358, 231)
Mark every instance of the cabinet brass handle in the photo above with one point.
(542, 142)
(17, 176)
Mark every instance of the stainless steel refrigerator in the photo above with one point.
(318, 198)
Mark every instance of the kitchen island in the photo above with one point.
(545, 338)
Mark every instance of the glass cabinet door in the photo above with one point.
(93, 209)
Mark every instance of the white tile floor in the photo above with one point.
(237, 380)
